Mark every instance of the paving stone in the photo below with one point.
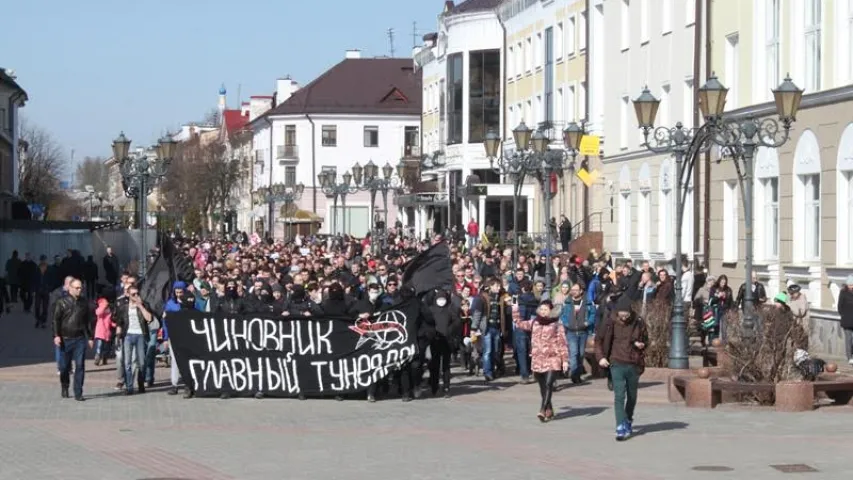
(482, 432)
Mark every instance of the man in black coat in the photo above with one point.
(28, 276)
(447, 329)
(72, 332)
(111, 267)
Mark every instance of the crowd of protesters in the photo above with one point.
(496, 317)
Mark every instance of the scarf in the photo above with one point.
(544, 320)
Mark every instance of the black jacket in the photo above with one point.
(122, 319)
(446, 319)
(111, 268)
(72, 318)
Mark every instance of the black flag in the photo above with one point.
(156, 286)
(431, 269)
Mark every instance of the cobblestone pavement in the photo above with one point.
(480, 433)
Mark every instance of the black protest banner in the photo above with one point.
(242, 355)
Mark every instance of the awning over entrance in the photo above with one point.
(422, 199)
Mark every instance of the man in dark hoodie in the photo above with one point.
(365, 308)
(621, 348)
(447, 329)
(179, 300)
(300, 305)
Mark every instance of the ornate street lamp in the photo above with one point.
(140, 175)
(741, 137)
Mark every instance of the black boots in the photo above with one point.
(65, 391)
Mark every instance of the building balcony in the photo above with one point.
(411, 151)
(287, 152)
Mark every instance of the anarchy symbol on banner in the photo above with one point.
(384, 329)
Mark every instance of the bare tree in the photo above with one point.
(212, 117)
(93, 171)
(41, 167)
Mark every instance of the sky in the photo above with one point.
(94, 68)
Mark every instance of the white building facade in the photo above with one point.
(12, 97)
(651, 46)
(328, 125)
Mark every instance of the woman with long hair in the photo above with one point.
(549, 352)
(722, 300)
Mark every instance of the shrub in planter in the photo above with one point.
(658, 318)
(765, 354)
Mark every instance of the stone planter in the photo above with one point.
(794, 396)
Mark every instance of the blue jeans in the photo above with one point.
(102, 348)
(491, 345)
(577, 348)
(150, 356)
(521, 343)
(57, 354)
(133, 354)
(73, 349)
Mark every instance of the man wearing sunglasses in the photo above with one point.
(72, 330)
(134, 319)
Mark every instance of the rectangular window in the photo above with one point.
(730, 221)
(812, 21)
(770, 186)
(510, 65)
(529, 53)
(529, 114)
(625, 31)
(644, 205)
(666, 17)
(811, 184)
(455, 98)
(289, 135)
(644, 21)
(571, 36)
(848, 177)
(689, 12)
(371, 136)
(519, 59)
(2, 119)
(732, 66)
(559, 115)
(442, 113)
(665, 106)
(850, 41)
(582, 31)
(549, 75)
(330, 136)
(687, 115)
(581, 101)
(665, 220)
(771, 48)
(570, 105)
(484, 94)
(558, 43)
(290, 175)
(538, 113)
(625, 219)
(540, 51)
(623, 122)
(411, 142)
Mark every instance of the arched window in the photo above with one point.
(766, 205)
(644, 208)
(844, 196)
(807, 195)
(666, 208)
(625, 217)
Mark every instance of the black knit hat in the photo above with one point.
(624, 304)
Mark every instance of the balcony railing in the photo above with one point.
(287, 152)
(412, 151)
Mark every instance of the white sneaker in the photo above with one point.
(850, 362)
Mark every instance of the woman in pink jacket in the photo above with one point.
(103, 331)
(549, 352)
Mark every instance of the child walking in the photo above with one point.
(103, 331)
(620, 346)
(550, 353)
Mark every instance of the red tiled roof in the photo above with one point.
(234, 120)
(359, 86)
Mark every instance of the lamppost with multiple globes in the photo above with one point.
(140, 175)
(534, 157)
(278, 192)
(367, 178)
(333, 189)
(739, 139)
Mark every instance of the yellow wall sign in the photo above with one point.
(588, 178)
(590, 145)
